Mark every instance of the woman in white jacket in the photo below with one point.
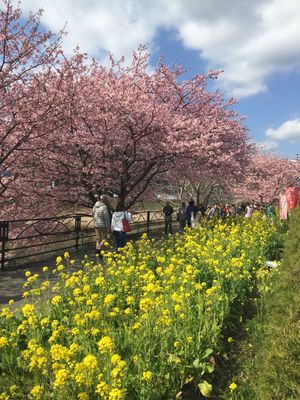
(117, 226)
(195, 218)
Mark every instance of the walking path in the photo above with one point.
(13, 279)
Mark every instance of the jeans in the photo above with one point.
(120, 239)
(168, 224)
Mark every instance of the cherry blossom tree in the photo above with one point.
(28, 58)
(124, 127)
(266, 176)
(207, 182)
(204, 189)
(89, 128)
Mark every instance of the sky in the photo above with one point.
(256, 43)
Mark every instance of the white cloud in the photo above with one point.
(289, 130)
(96, 26)
(259, 39)
(250, 40)
(268, 146)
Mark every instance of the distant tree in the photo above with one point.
(208, 189)
(266, 176)
(209, 180)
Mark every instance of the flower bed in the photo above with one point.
(145, 328)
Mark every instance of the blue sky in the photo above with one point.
(256, 43)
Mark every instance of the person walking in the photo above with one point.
(168, 212)
(182, 216)
(233, 210)
(213, 211)
(117, 226)
(241, 209)
(196, 215)
(248, 211)
(102, 223)
(270, 212)
(189, 212)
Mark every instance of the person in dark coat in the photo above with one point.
(190, 209)
(182, 216)
(168, 212)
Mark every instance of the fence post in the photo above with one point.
(3, 240)
(77, 230)
(148, 222)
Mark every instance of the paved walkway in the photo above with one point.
(12, 279)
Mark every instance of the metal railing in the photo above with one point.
(27, 238)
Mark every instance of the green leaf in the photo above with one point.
(209, 368)
(205, 388)
(207, 353)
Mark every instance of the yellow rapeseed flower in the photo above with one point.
(83, 396)
(117, 394)
(147, 376)
(28, 309)
(99, 281)
(109, 299)
(36, 391)
(115, 359)
(3, 341)
(232, 386)
(61, 377)
(90, 361)
(105, 344)
(56, 300)
(102, 389)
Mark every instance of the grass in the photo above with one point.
(269, 362)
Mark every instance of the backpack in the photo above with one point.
(126, 224)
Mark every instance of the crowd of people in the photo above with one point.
(188, 215)
(191, 215)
